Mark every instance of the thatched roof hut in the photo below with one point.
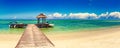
(41, 16)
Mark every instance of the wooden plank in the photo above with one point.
(34, 38)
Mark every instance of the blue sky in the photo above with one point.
(31, 8)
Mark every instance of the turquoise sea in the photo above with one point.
(61, 25)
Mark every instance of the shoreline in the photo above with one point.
(60, 32)
(80, 31)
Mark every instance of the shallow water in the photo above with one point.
(62, 25)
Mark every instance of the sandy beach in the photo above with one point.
(101, 38)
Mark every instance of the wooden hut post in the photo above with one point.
(38, 20)
(42, 20)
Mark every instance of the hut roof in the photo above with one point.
(41, 16)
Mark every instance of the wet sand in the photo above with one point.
(101, 38)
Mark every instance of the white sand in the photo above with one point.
(102, 38)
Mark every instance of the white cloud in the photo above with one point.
(115, 14)
(111, 15)
(49, 16)
(57, 14)
(64, 15)
(83, 15)
(104, 14)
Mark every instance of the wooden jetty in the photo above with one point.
(34, 38)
